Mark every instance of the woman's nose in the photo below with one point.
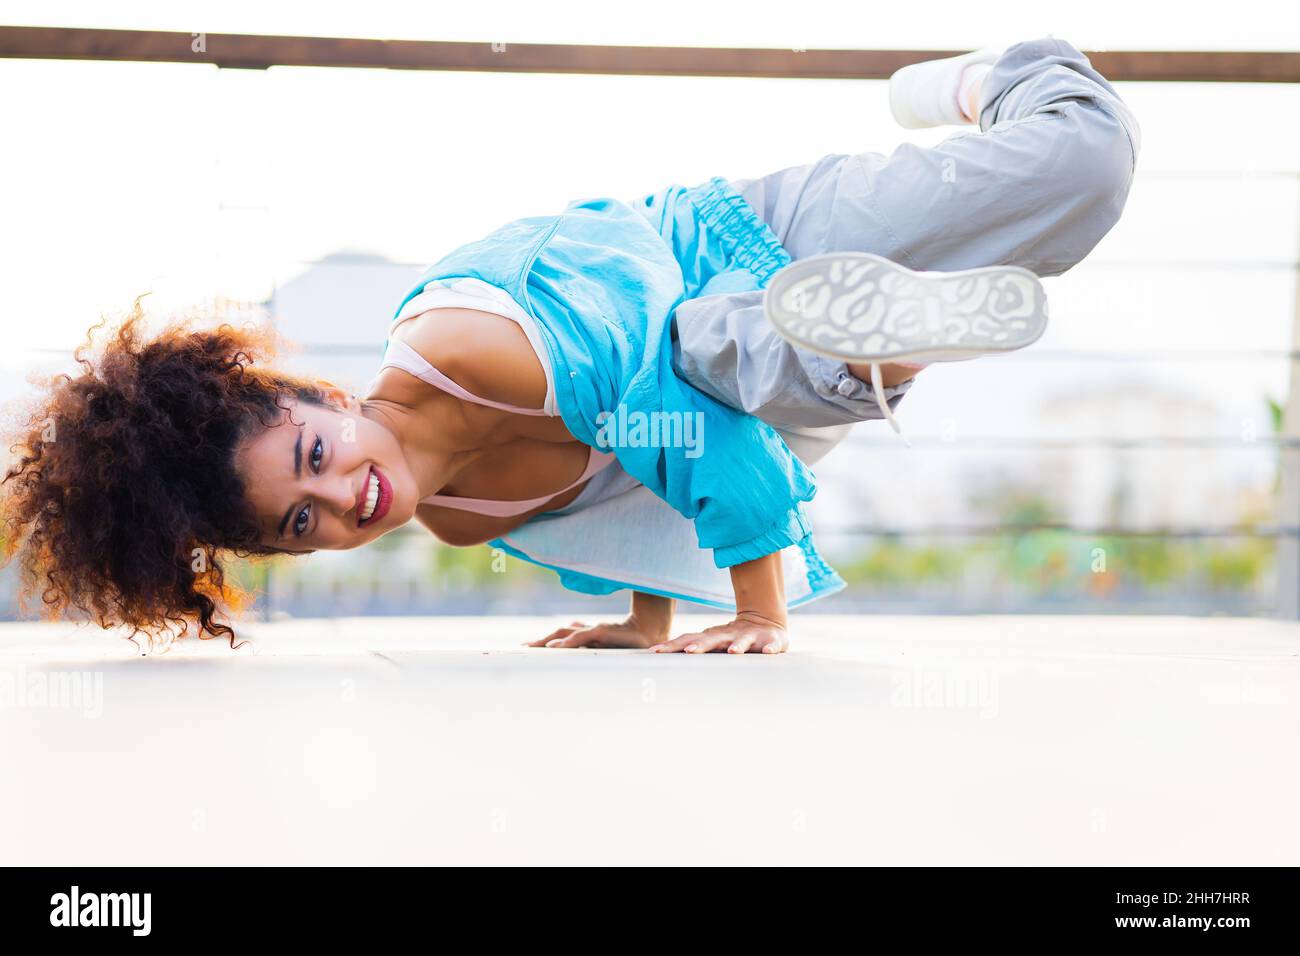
(340, 496)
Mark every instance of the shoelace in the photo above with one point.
(878, 389)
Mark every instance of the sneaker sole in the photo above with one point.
(861, 307)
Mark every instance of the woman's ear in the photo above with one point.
(340, 398)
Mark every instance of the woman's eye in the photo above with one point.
(317, 453)
(300, 522)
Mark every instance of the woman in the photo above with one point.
(697, 334)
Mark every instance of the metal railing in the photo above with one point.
(247, 51)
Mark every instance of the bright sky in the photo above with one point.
(186, 181)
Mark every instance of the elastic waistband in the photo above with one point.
(748, 238)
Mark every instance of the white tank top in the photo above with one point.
(467, 293)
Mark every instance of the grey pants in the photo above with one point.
(1038, 186)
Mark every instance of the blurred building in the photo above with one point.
(339, 310)
(1162, 457)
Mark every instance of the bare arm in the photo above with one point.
(759, 586)
(760, 622)
(483, 353)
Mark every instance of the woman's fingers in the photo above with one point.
(706, 643)
(699, 643)
(604, 635)
(557, 633)
(749, 640)
(676, 644)
(583, 637)
(680, 644)
(735, 638)
(542, 642)
(598, 635)
(742, 644)
(771, 641)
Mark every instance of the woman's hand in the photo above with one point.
(749, 633)
(649, 623)
(759, 627)
(626, 633)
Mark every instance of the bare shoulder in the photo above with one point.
(487, 354)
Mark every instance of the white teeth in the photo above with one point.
(372, 498)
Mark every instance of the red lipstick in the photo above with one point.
(385, 497)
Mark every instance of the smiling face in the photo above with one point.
(326, 478)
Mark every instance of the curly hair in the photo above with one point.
(124, 498)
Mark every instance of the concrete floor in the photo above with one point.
(441, 740)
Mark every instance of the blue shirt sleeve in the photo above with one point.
(737, 480)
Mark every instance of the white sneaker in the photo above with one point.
(862, 308)
(927, 94)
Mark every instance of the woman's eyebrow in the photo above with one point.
(297, 470)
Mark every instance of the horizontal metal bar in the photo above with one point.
(1196, 265)
(1092, 442)
(1151, 355)
(1222, 174)
(246, 51)
(998, 531)
(362, 261)
(1030, 355)
(1101, 531)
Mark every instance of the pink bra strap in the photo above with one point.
(400, 355)
(504, 509)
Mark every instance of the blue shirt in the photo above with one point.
(602, 279)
